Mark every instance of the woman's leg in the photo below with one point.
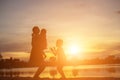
(40, 69)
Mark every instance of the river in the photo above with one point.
(70, 71)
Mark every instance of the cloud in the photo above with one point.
(108, 48)
(118, 12)
(103, 50)
(115, 47)
(12, 47)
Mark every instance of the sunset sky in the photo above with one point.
(93, 25)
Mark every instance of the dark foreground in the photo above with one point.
(81, 78)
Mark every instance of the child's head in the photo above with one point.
(36, 30)
(59, 43)
(43, 31)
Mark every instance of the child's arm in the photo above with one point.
(53, 51)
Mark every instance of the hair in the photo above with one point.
(36, 30)
(59, 42)
(43, 31)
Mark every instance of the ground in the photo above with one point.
(81, 78)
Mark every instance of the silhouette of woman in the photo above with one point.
(43, 46)
(61, 58)
(39, 43)
(35, 52)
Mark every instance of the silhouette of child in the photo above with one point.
(61, 58)
(43, 42)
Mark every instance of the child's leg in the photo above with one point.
(59, 68)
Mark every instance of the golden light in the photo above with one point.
(74, 49)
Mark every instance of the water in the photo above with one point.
(70, 71)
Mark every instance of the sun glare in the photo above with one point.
(74, 50)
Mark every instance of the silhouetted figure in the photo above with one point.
(43, 41)
(43, 46)
(61, 58)
(35, 52)
(39, 43)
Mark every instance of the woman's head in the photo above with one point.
(59, 43)
(36, 30)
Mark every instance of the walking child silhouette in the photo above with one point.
(61, 58)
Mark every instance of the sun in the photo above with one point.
(74, 49)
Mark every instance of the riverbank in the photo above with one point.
(81, 78)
